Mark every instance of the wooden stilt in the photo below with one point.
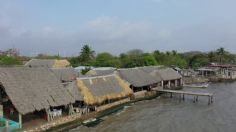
(209, 100)
(196, 98)
(20, 120)
(183, 97)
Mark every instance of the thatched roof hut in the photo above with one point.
(68, 78)
(49, 63)
(168, 74)
(33, 89)
(96, 90)
(137, 77)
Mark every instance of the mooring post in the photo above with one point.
(209, 100)
(197, 99)
(183, 97)
(194, 99)
(20, 120)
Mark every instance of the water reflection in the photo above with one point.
(166, 115)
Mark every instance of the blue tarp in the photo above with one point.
(12, 125)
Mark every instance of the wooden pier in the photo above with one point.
(183, 93)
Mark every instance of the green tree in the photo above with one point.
(9, 60)
(221, 53)
(149, 60)
(87, 56)
(107, 60)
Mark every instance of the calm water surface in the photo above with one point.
(172, 115)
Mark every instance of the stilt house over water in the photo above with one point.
(102, 92)
(171, 78)
(138, 79)
(31, 93)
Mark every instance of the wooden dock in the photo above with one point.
(183, 93)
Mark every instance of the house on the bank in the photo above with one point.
(68, 79)
(171, 79)
(49, 63)
(101, 92)
(33, 94)
(139, 81)
(219, 71)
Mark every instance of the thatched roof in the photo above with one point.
(65, 74)
(98, 72)
(31, 89)
(137, 77)
(68, 77)
(99, 89)
(61, 63)
(49, 63)
(73, 90)
(168, 74)
(149, 69)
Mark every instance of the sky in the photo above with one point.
(116, 26)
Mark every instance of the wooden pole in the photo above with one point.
(20, 120)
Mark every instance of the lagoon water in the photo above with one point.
(164, 114)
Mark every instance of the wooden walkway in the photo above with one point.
(183, 93)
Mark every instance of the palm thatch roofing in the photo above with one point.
(98, 72)
(168, 74)
(73, 90)
(49, 63)
(137, 77)
(68, 78)
(149, 69)
(65, 74)
(96, 90)
(33, 89)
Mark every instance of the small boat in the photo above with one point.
(197, 85)
(91, 122)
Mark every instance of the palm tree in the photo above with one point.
(86, 54)
(221, 53)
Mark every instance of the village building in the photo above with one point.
(139, 81)
(102, 92)
(218, 71)
(171, 78)
(49, 63)
(32, 95)
(68, 79)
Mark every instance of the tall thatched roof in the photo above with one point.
(31, 89)
(168, 74)
(137, 77)
(98, 89)
(49, 63)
